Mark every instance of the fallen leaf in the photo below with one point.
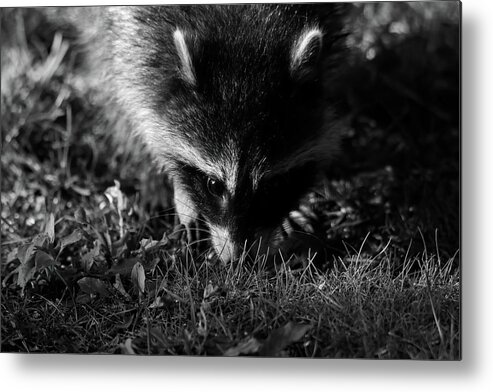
(127, 347)
(43, 259)
(83, 298)
(119, 249)
(25, 272)
(80, 215)
(124, 267)
(11, 256)
(250, 346)
(24, 252)
(39, 240)
(93, 286)
(91, 256)
(157, 303)
(119, 286)
(282, 337)
(27, 267)
(138, 277)
(147, 243)
(209, 290)
(159, 336)
(72, 238)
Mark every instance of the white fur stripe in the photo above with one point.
(169, 145)
(231, 177)
(184, 54)
(302, 49)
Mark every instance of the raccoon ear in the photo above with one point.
(305, 52)
(185, 57)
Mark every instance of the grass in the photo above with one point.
(94, 266)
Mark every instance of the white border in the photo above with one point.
(473, 373)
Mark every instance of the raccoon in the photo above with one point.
(233, 103)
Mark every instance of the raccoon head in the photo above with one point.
(245, 122)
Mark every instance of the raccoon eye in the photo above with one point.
(215, 187)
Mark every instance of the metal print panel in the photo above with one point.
(275, 180)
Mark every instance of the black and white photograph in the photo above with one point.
(277, 180)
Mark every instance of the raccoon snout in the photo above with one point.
(224, 246)
(228, 248)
